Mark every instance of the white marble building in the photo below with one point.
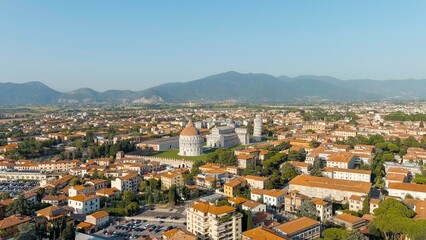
(190, 141)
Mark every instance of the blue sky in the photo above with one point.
(138, 44)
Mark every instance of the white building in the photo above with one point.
(417, 191)
(190, 141)
(84, 204)
(130, 182)
(322, 187)
(212, 222)
(257, 129)
(347, 174)
(227, 136)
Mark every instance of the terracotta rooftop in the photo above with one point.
(212, 209)
(13, 221)
(297, 225)
(408, 187)
(99, 214)
(329, 183)
(262, 233)
(348, 218)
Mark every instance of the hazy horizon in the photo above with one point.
(135, 45)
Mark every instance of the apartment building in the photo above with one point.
(322, 187)
(245, 160)
(344, 160)
(301, 228)
(347, 174)
(256, 181)
(349, 221)
(417, 191)
(171, 178)
(129, 182)
(324, 208)
(301, 167)
(99, 218)
(58, 166)
(87, 189)
(84, 204)
(230, 186)
(274, 197)
(208, 221)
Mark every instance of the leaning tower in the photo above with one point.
(257, 131)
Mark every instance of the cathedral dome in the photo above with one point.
(189, 130)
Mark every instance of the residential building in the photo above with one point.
(341, 160)
(300, 228)
(10, 224)
(129, 182)
(98, 219)
(207, 221)
(178, 234)
(417, 191)
(171, 178)
(347, 174)
(256, 181)
(324, 208)
(262, 233)
(230, 186)
(84, 204)
(351, 222)
(321, 187)
(274, 197)
(55, 200)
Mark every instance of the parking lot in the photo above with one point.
(151, 222)
(14, 187)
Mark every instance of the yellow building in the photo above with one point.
(230, 187)
(171, 178)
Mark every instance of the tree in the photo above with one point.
(316, 169)
(355, 235)
(172, 195)
(223, 202)
(214, 183)
(249, 170)
(26, 231)
(335, 234)
(131, 208)
(4, 195)
(307, 209)
(393, 218)
(366, 205)
(75, 181)
(129, 196)
(249, 220)
(69, 232)
(40, 193)
(288, 172)
(19, 206)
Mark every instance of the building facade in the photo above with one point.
(190, 141)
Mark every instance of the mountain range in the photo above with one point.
(228, 86)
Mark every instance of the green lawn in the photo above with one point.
(174, 154)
